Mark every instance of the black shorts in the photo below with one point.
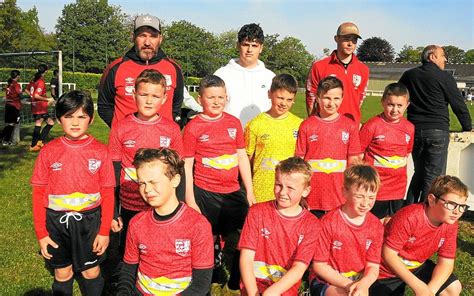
(384, 208)
(12, 114)
(39, 116)
(225, 211)
(317, 288)
(75, 234)
(396, 287)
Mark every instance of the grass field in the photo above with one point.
(22, 270)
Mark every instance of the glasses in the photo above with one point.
(451, 205)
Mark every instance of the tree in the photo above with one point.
(192, 47)
(91, 34)
(454, 54)
(469, 56)
(290, 56)
(227, 46)
(376, 49)
(10, 28)
(409, 54)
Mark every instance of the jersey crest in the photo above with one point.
(165, 141)
(345, 137)
(265, 232)
(356, 80)
(94, 165)
(407, 138)
(367, 244)
(232, 133)
(129, 86)
(183, 246)
(169, 81)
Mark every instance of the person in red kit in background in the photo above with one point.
(115, 100)
(73, 199)
(39, 108)
(343, 64)
(12, 108)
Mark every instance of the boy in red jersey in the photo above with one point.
(417, 232)
(39, 108)
(12, 107)
(387, 141)
(169, 249)
(329, 142)
(347, 254)
(215, 147)
(144, 129)
(279, 236)
(73, 198)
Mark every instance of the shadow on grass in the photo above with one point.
(38, 292)
(466, 246)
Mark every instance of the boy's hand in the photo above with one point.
(358, 289)
(251, 199)
(116, 224)
(44, 242)
(423, 290)
(100, 244)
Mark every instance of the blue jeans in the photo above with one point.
(430, 152)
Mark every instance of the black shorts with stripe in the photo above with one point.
(74, 232)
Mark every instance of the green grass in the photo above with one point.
(22, 270)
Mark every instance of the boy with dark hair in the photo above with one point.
(144, 129)
(347, 254)
(73, 187)
(169, 249)
(12, 107)
(246, 78)
(416, 233)
(39, 108)
(387, 141)
(215, 148)
(279, 236)
(271, 136)
(329, 142)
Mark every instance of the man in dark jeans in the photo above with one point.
(431, 90)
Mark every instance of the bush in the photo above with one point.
(192, 80)
(84, 81)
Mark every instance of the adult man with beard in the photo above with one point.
(117, 83)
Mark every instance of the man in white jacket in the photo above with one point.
(246, 78)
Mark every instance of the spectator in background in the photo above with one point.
(12, 107)
(246, 78)
(431, 90)
(343, 64)
(117, 83)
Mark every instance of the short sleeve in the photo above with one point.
(107, 175)
(354, 142)
(322, 250)
(411, 133)
(40, 171)
(177, 140)
(374, 253)
(190, 139)
(397, 232)
(305, 250)
(365, 136)
(131, 255)
(115, 147)
(301, 148)
(40, 87)
(448, 249)
(202, 246)
(250, 231)
(240, 143)
(250, 139)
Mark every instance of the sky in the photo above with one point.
(410, 22)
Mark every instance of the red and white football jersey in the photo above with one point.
(167, 251)
(278, 241)
(347, 247)
(412, 235)
(214, 144)
(386, 146)
(131, 134)
(38, 106)
(326, 146)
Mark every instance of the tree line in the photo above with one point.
(92, 33)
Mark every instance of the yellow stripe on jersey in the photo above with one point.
(268, 272)
(223, 162)
(393, 162)
(162, 285)
(352, 275)
(130, 174)
(269, 164)
(410, 264)
(72, 202)
(328, 165)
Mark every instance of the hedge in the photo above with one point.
(85, 81)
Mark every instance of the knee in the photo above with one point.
(91, 273)
(63, 274)
(452, 290)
